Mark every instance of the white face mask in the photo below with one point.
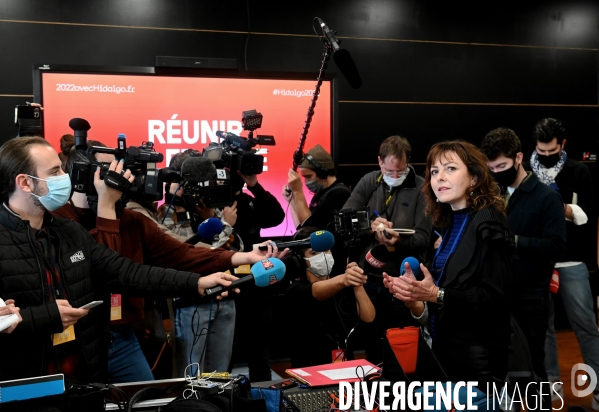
(321, 265)
(395, 181)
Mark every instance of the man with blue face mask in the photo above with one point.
(393, 195)
(326, 310)
(52, 267)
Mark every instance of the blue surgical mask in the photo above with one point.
(59, 191)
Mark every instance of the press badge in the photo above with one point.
(115, 306)
(66, 335)
(243, 270)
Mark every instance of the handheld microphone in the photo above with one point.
(414, 265)
(342, 58)
(319, 241)
(80, 128)
(197, 169)
(264, 273)
(235, 140)
(206, 231)
(376, 259)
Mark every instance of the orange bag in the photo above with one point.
(404, 343)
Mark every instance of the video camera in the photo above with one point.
(200, 179)
(141, 160)
(237, 153)
(351, 224)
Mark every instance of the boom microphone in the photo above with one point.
(264, 273)
(197, 169)
(414, 265)
(235, 140)
(342, 58)
(376, 259)
(80, 128)
(319, 241)
(206, 231)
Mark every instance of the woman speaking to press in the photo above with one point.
(464, 296)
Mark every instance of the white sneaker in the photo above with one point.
(595, 404)
(557, 391)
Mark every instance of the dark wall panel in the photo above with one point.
(418, 52)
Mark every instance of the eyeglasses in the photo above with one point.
(394, 173)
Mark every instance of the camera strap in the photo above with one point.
(117, 181)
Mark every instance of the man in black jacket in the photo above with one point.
(52, 267)
(535, 216)
(572, 180)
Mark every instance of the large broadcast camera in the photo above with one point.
(237, 153)
(141, 160)
(201, 180)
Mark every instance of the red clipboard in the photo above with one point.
(332, 373)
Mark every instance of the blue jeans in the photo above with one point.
(206, 338)
(575, 291)
(126, 361)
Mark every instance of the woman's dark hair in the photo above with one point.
(485, 191)
(15, 159)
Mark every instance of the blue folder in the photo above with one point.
(30, 388)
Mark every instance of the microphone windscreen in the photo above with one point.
(378, 256)
(198, 169)
(321, 240)
(414, 265)
(209, 228)
(347, 66)
(268, 272)
(79, 124)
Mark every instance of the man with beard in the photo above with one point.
(535, 216)
(52, 267)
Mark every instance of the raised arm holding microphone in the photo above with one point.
(466, 291)
(52, 266)
(138, 238)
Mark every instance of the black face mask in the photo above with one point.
(506, 177)
(549, 161)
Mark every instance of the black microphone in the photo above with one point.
(376, 259)
(235, 140)
(342, 58)
(346, 64)
(197, 169)
(80, 128)
(264, 273)
(319, 241)
(330, 35)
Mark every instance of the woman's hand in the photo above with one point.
(407, 289)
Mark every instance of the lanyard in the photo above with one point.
(453, 248)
